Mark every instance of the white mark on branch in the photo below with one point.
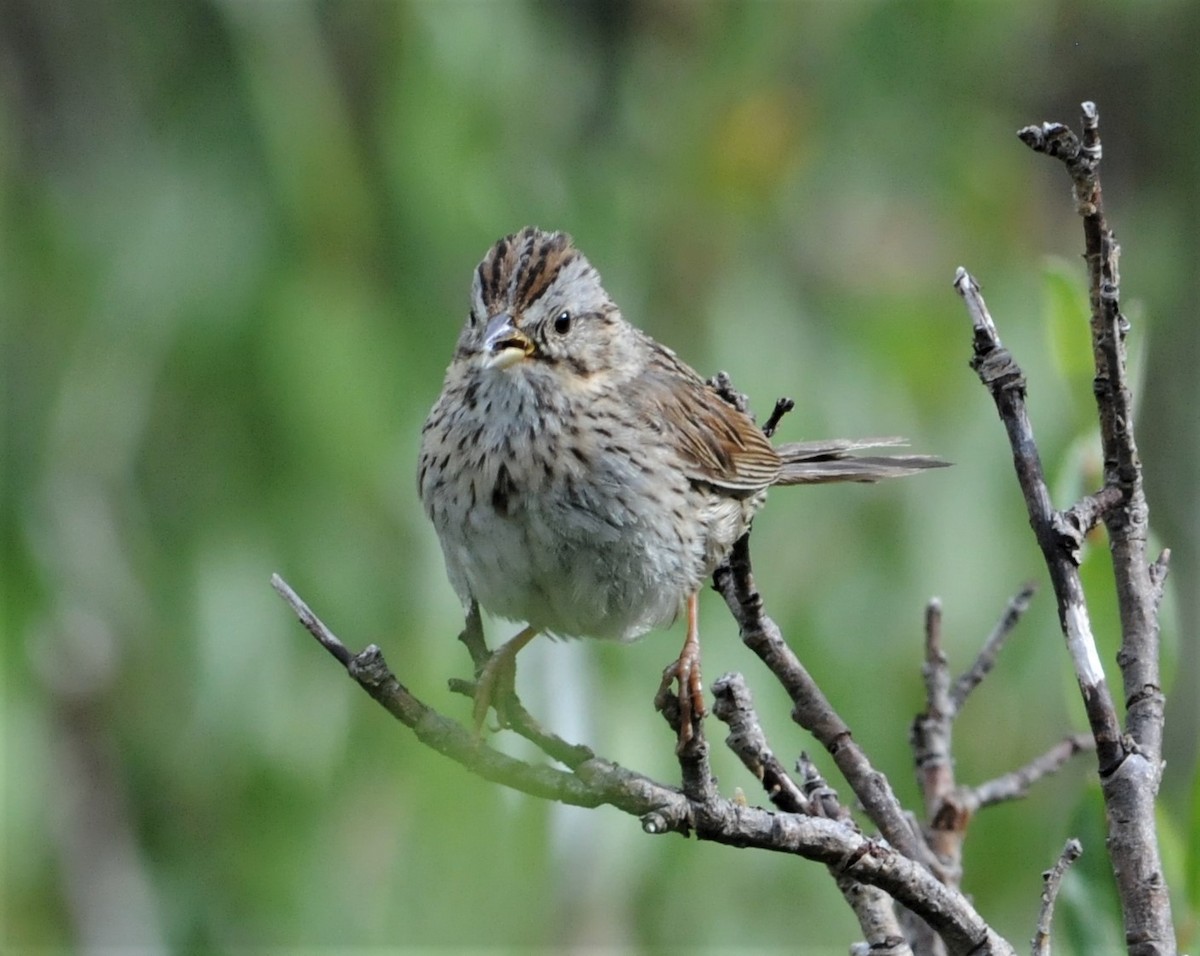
(1082, 645)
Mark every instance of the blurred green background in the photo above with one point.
(236, 246)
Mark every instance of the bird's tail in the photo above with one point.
(818, 462)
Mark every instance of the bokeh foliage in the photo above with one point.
(236, 247)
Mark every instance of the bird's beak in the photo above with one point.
(503, 343)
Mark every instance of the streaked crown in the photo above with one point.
(519, 269)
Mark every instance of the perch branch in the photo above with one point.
(516, 717)
(663, 809)
(695, 772)
(734, 580)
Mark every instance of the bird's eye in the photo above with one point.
(471, 320)
(562, 323)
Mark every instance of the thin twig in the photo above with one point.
(936, 670)
(311, 622)
(782, 407)
(1051, 883)
(1017, 605)
(734, 706)
(931, 739)
(1015, 785)
(1077, 522)
(949, 807)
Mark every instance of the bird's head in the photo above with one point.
(536, 305)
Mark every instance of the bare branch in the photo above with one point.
(782, 407)
(1015, 785)
(811, 710)
(1130, 787)
(663, 809)
(936, 670)
(1013, 612)
(735, 708)
(1052, 882)
(931, 738)
(692, 753)
(872, 906)
(311, 622)
(949, 807)
(998, 370)
(1127, 525)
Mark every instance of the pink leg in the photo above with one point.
(686, 670)
(497, 678)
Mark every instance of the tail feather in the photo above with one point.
(820, 462)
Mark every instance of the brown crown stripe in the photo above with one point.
(543, 269)
(492, 273)
(520, 268)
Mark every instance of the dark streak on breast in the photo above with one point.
(503, 492)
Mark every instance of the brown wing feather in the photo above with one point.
(718, 444)
(819, 462)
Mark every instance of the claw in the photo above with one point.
(686, 671)
(496, 681)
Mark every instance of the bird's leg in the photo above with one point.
(496, 679)
(686, 670)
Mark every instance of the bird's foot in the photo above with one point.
(685, 671)
(495, 683)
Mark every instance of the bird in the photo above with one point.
(582, 479)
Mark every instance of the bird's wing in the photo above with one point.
(716, 443)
